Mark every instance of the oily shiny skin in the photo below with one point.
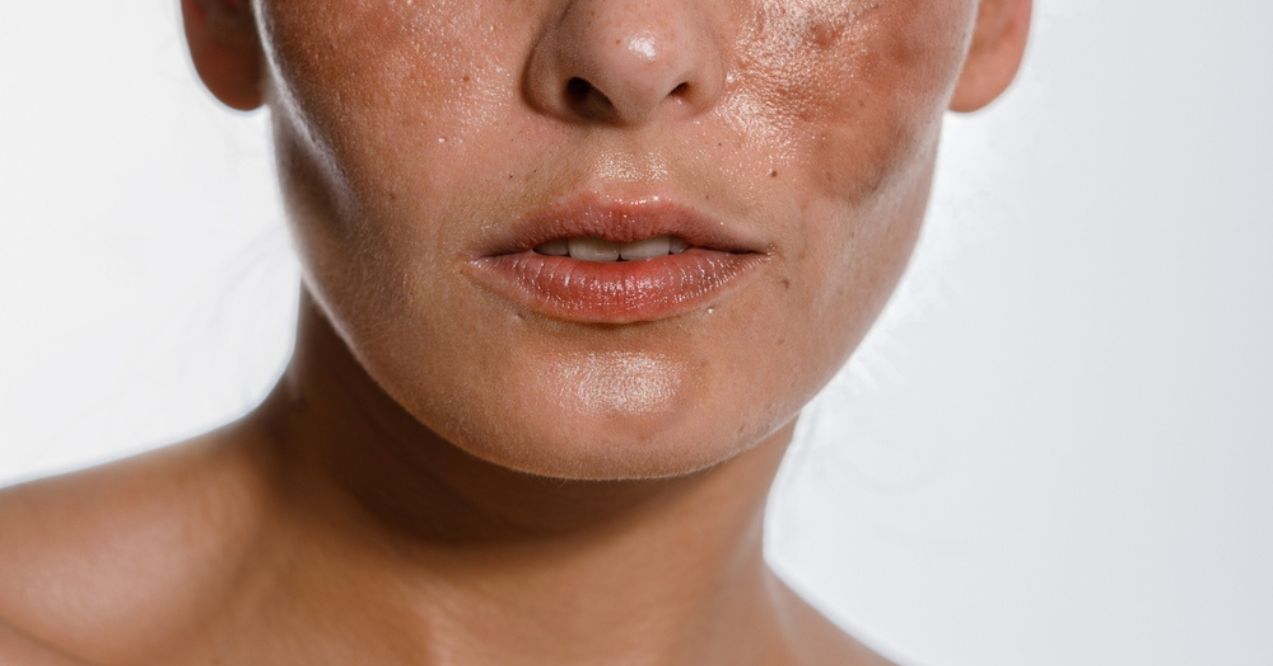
(408, 132)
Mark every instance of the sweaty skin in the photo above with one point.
(445, 477)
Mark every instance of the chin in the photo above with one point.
(603, 417)
(598, 454)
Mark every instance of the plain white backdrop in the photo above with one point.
(1055, 448)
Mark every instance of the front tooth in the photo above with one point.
(593, 249)
(677, 245)
(645, 249)
(557, 248)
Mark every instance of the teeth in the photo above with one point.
(596, 249)
(646, 249)
(557, 248)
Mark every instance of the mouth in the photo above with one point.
(595, 260)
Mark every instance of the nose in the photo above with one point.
(627, 62)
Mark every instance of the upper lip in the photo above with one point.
(619, 220)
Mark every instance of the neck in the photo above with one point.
(474, 563)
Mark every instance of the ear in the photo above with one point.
(998, 44)
(226, 50)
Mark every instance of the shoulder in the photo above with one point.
(113, 560)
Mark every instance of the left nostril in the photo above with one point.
(577, 89)
(588, 100)
(681, 90)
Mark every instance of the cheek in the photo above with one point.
(369, 99)
(858, 87)
(856, 90)
(378, 91)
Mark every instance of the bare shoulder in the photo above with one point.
(114, 560)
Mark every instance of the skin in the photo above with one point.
(442, 477)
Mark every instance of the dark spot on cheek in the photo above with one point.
(781, 342)
(786, 284)
(825, 33)
(467, 78)
(773, 173)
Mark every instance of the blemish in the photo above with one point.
(825, 33)
(773, 173)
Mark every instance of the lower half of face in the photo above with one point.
(410, 136)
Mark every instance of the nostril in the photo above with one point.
(587, 100)
(577, 89)
(681, 90)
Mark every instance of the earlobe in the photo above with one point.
(223, 42)
(995, 53)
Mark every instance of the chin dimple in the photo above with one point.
(596, 249)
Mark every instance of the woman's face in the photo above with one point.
(413, 135)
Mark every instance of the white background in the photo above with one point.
(1055, 448)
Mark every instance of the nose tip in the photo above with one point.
(626, 62)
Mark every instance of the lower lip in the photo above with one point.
(618, 291)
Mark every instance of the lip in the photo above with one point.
(718, 261)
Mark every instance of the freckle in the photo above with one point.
(786, 284)
(773, 173)
(824, 33)
(781, 342)
(467, 78)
